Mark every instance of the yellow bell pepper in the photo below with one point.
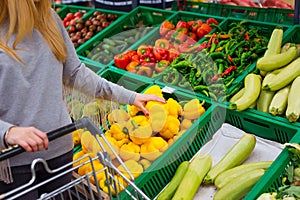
(130, 151)
(145, 163)
(116, 131)
(193, 109)
(118, 116)
(76, 137)
(158, 117)
(154, 89)
(134, 168)
(76, 156)
(113, 143)
(120, 183)
(171, 127)
(153, 148)
(173, 107)
(139, 134)
(185, 124)
(133, 110)
(87, 140)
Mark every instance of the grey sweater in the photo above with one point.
(32, 95)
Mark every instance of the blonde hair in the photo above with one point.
(24, 16)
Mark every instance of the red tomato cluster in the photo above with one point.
(71, 18)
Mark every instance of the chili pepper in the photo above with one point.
(212, 47)
(183, 83)
(216, 77)
(229, 58)
(121, 61)
(200, 87)
(231, 79)
(172, 77)
(216, 55)
(160, 53)
(165, 27)
(247, 36)
(162, 42)
(181, 64)
(161, 65)
(229, 70)
(220, 68)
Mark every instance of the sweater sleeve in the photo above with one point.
(78, 76)
(4, 126)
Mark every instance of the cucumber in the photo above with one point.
(235, 156)
(240, 186)
(284, 77)
(293, 106)
(252, 87)
(225, 177)
(193, 178)
(279, 101)
(170, 189)
(276, 61)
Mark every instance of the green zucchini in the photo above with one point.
(276, 61)
(293, 106)
(284, 77)
(235, 156)
(252, 87)
(240, 186)
(279, 101)
(170, 189)
(264, 100)
(225, 177)
(193, 178)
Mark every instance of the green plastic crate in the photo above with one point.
(94, 66)
(125, 79)
(72, 9)
(272, 15)
(272, 178)
(138, 23)
(158, 175)
(57, 7)
(154, 179)
(290, 35)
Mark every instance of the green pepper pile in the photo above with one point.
(213, 65)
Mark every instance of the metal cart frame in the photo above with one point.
(80, 187)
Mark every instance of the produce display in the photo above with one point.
(231, 177)
(239, 63)
(263, 4)
(275, 89)
(138, 139)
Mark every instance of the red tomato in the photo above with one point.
(78, 14)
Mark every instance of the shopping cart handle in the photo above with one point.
(52, 135)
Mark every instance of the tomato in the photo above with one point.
(69, 16)
(78, 14)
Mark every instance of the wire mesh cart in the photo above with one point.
(81, 186)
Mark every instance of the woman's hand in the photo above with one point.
(29, 138)
(141, 99)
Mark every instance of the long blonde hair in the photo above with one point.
(24, 16)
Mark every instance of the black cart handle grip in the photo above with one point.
(52, 135)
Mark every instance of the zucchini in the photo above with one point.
(240, 94)
(285, 76)
(193, 178)
(240, 186)
(264, 100)
(275, 42)
(170, 189)
(225, 177)
(293, 106)
(235, 156)
(279, 101)
(276, 61)
(252, 87)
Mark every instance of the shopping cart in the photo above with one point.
(80, 187)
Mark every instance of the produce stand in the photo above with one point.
(142, 26)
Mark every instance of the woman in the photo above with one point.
(36, 59)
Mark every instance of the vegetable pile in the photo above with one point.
(232, 178)
(138, 139)
(215, 63)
